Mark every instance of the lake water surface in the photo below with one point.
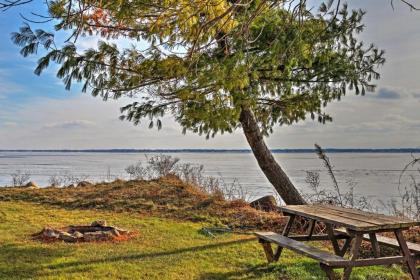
(372, 174)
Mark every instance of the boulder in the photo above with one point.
(31, 185)
(266, 203)
(97, 236)
(84, 184)
(51, 233)
(98, 223)
(67, 237)
(121, 231)
(114, 232)
(78, 235)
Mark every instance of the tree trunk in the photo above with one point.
(266, 161)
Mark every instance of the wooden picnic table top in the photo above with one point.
(351, 219)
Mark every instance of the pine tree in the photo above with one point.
(214, 65)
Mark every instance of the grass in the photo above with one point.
(166, 247)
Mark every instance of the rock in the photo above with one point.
(98, 223)
(114, 232)
(51, 233)
(84, 184)
(98, 236)
(67, 237)
(78, 235)
(121, 231)
(71, 186)
(31, 185)
(266, 203)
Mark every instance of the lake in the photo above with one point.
(375, 175)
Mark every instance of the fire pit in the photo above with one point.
(96, 231)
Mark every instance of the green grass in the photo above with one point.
(163, 249)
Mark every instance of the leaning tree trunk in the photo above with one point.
(266, 161)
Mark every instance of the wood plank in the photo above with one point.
(329, 271)
(353, 221)
(378, 261)
(357, 217)
(267, 250)
(315, 237)
(387, 241)
(375, 244)
(304, 249)
(413, 247)
(410, 261)
(286, 232)
(312, 224)
(312, 213)
(369, 214)
(334, 242)
(346, 246)
(373, 218)
(354, 255)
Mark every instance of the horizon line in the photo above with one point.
(219, 150)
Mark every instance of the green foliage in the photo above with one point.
(206, 60)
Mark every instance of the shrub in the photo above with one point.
(20, 178)
(162, 165)
(137, 171)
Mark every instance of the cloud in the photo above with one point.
(76, 124)
(416, 95)
(388, 93)
(9, 124)
(6, 86)
(394, 93)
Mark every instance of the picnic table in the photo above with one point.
(345, 228)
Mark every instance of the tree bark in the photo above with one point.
(266, 161)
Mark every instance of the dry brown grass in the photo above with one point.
(167, 197)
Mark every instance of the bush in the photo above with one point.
(66, 178)
(20, 178)
(137, 171)
(162, 165)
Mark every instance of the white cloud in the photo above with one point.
(87, 122)
(75, 124)
(6, 86)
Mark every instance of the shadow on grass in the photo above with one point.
(254, 272)
(281, 271)
(149, 255)
(26, 262)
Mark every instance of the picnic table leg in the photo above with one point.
(286, 232)
(312, 224)
(407, 255)
(354, 254)
(331, 236)
(267, 250)
(329, 271)
(346, 246)
(375, 245)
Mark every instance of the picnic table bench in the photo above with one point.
(349, 225)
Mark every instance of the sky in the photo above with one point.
(36, 112)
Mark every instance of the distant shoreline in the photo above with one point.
(276, 151)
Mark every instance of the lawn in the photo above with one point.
(163, 249)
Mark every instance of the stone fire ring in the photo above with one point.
(97, 231)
